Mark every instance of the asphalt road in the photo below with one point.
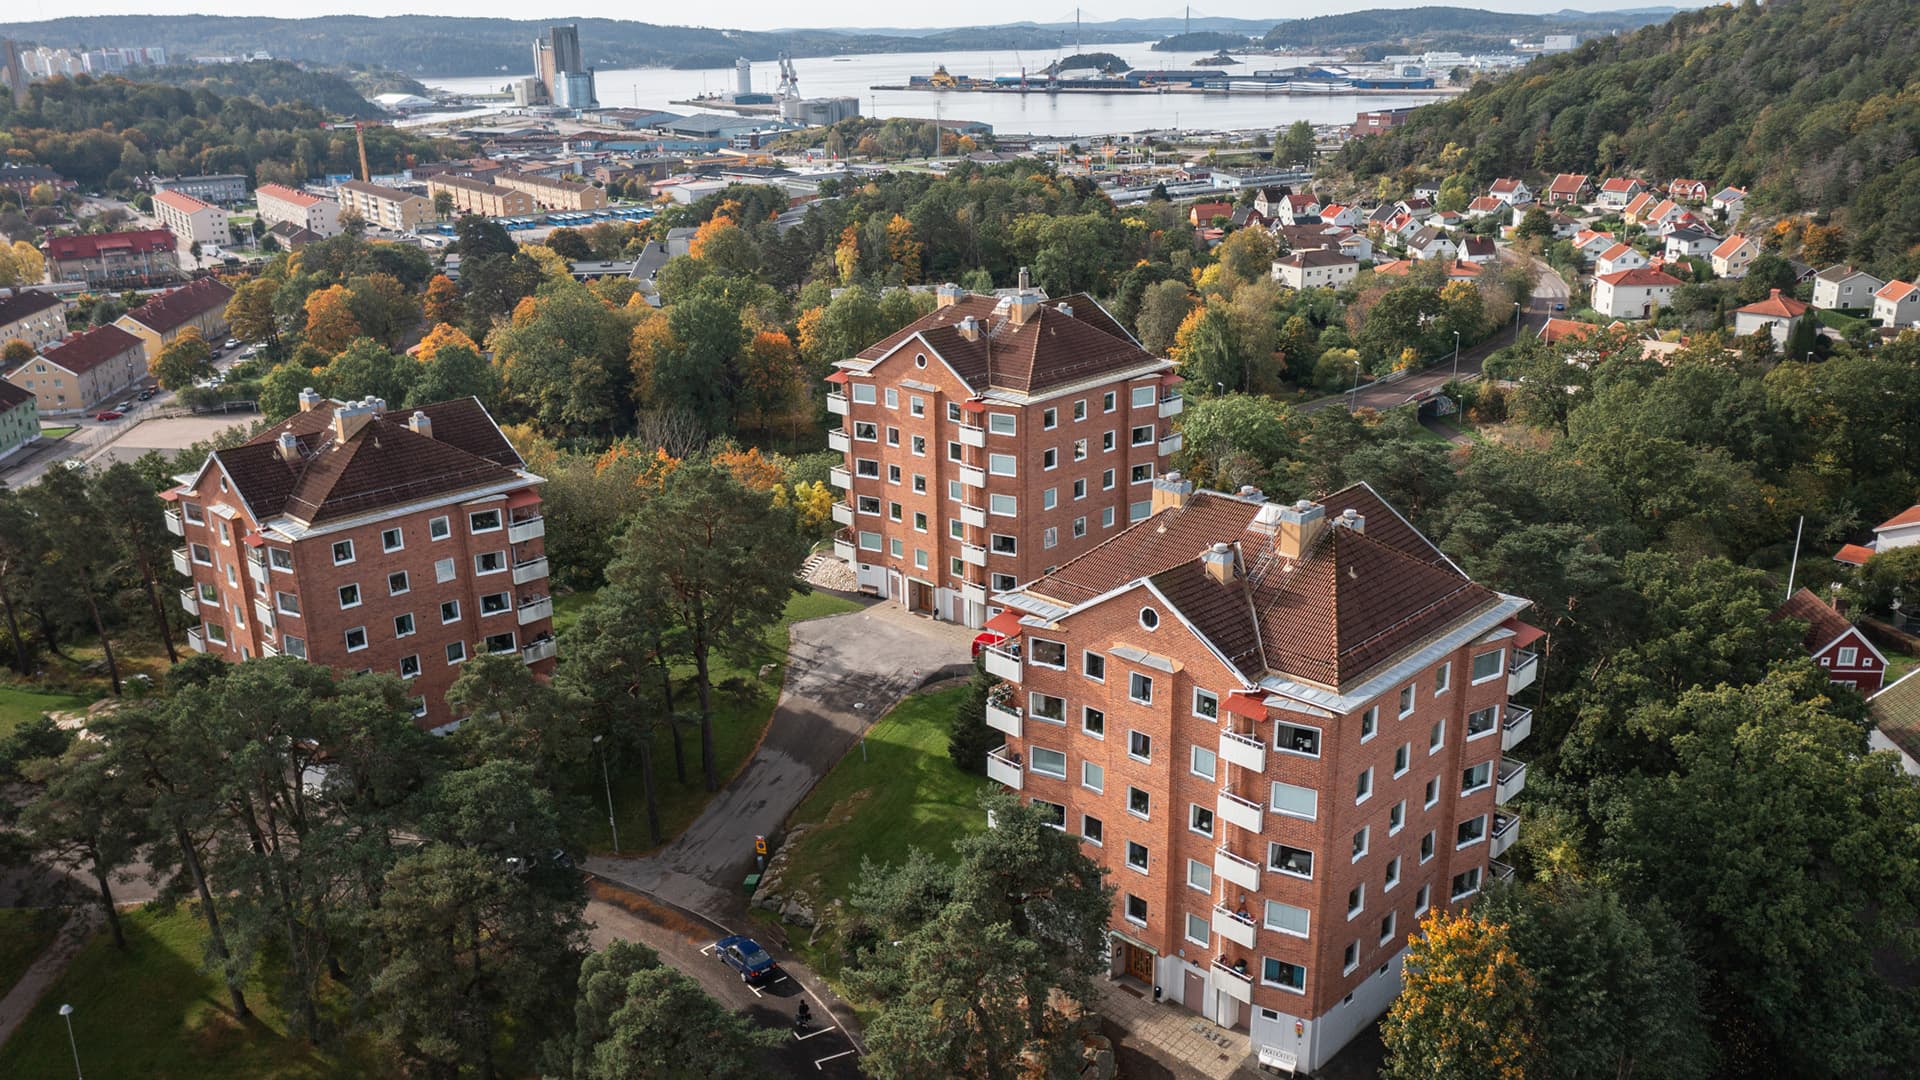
(1548, 290)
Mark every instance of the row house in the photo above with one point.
(33, 316)
(991, 440)
(401, 543)
(92, 368)
(1282, 728)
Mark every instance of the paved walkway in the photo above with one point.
(1187, 1043)
(843, 673)
(74, 935)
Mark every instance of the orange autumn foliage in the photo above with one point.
(440, 337)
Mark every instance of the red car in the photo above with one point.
(110, 414)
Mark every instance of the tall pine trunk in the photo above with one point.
(216, 934)
(646, 784)
(673, 721)
(159, 610)
(13, 627)
(106, 897)
(106, 646)
(704, 680)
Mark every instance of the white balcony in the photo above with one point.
(1170, 444)
(1243, 750)
(521, 530)
(1232, 927)
(1520, 676)
(1230, 982)
(534, 610)
(1238, 812)
(1515, 726)
(267, 648)
(534, 569)
(837, 404)
(1004, 718)
(1500, 870)
(973, 593)
(1172, 405)
(1506, 829)
(973, 477)
(263, 611)
(1003, 768)
(973, 435)
(181, 564)
(842, 514)
(196, 639)
(257, 556)
(973, 554)
(975, 516)
(839, 477)
(843, 549)
(838, 441)
(190, 601)
(1513, 779)
(1002, 663)
(538, 651)
(174, 524)
(1242, 872)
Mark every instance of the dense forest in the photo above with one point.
(1814, 104)
(273, 82)
(1464, 29)
(1204, 41)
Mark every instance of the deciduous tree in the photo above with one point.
(1465, 1010)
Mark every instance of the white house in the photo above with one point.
(278, 203)
(1632, 294)
(1777, 314)
(1694, 191)
(1897, 303)
(1299, 209)
(1617, 258)
(1730, 200)
(1590, 243)
(1841, 286)
(1339, 214)
(1618, 191)
(1431, 243)
(1322, 269)
(1511, 191)
(1689, 241)
(191, 221)
(1896, 721)
(1478, 249)
(1484, 206)
(1733, 256)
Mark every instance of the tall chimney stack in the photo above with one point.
(1300, 525)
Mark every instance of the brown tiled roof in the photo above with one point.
(1052, 349)
(24, 303)
(1824, 625)
(82, 353)
(12, 397)
(1223, 613)
(1896, 712)
(181, 306)
(384, 463)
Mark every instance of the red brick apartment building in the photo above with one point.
(404, 543)
(992, 440)
(1281, 728)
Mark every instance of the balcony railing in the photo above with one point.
(1506, 829)
(1233, 927)
(1238, 812)
(973, 435)
(839, 477)
(174, 524)
(975, 516)
(1171, 404)
(837, 404)
(1242, 872)
(1515, 726)
(182, 564)
(1170, 444)
(263, 611)
(973, 476)
(1520, 676)
(190, 601)
(532, 611)
(1500, 870)
(843, 548)
(1513, 779)
(1243, 750)
(838, 441)
(543, 649)
(258, 557)
(1002, 767)
(267, 648)
(521, 530)
(1231, 981)
(842, 514)
(973, 554)
(196, 639)
(1004, 717)
(1002, 662)
(534, 569)
(973, 592)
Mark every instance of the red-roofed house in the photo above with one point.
(1590, 243)
(86, 370)
(201, 305)
(1618, 191)
(1632, 294)
(1569, 188)
(311, 212)
(191, 221)
(1835, 643)
(1617, 258)
(1510, 191)
(1484, 206)
(1777, 314)
(1897, 303)
(1639, 203)
(1896, 721)
(1202, 214)
(1298, 208)
(1694, 191)
(1900, 530)
(118, 259)
(1734, 255)
(1556, 330)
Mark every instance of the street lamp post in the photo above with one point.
(604, 779)
(1353, 396)
(1456, 356)
(66, 1013)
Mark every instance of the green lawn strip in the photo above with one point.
(738, 722)
(1898, 664)
(24, 934)
(151, 1012)
(19, 705)
(567, 609)
(58, 432)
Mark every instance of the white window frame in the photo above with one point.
(1274, 806)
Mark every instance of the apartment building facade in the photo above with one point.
(472, 196)
(990, 440)
(279, 204)
(226, 189)
(121, 259)
(199, 305)
(1282, 729)
(35, 317)
(91, 368)
(553, 194)
(404, 543)
(191, 221)
(384, 207)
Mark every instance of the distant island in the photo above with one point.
(1094, 61)
(1202, 41)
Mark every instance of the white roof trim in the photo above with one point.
(1855, 631)
(1385, 678)
(295, 531)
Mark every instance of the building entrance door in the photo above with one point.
(1140, 964)
(1193, 992)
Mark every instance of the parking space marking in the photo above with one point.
(706, 950)
(820, 1063)
(755, 989)
(797, 1037)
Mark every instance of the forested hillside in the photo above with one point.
(1814, 104)
(1465, 29)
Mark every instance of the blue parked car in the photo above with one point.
(745, 956)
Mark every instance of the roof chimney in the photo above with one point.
(348, 419)
(1025, 282)
(1352, 519)
(1299, 526)
(1024, 304)
(969, 328)
(947, 295)
(310, 399)
(1218, 561)
(420, 424)
(1252, 494)
(1065, 308)
(288, 448)
(1170, 491)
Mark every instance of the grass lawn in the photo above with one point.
(58, 432)
(1838, 320)
(19, 705)
(567, 609)
(738, 722)
(152, 1012)
(1898, 664)
(24, 934)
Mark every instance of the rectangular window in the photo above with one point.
(866, 431)
(896, 547)
(1482, 721)
(1106, 518)
(342, 552)
(295, 647)
(1280, 973)
(1393, 872)
(482, 521)
(1199, 876)
(917, 405)
(863, 393)
(1849, 656)
(1139, 511)
(1144, 396)
(1002, 544)
(410, 666)
(1049, 498)
(1402, 760)
(281, 558)
(1093, 722)
(500, 643)
(1197, 929)
(1003, 505)
(1049, 538)
(1080, 409)
(1200, 819)
(1433, 793)
(1049, 419)
(190, 511)
(1487, 665)
(1295, 800)
(1001, 464)
(1056, 814)
(1436, 736)
(439, 528)
(1205, 763)
(490, 562)
(1442, 679)
(1206, 704)
(867, 468)
(1362, 837)
(495, 604)
(1139, 803)
(1356, 900)
(1386, 928)
(218, 633)
(1079, 527)
(1093, 776)
(1107, 403)
(1136, 856)
(1140, 474)
(403, 625)
(1094, 665)
(1092, 829)
(443, 570)
(1047, 654)
(1422, 900)
(1476, 777)
(1467, 883)
(1047, 707)
(870, 541)
(1296, 739)
(1369, 722)
(919, 521)
(867, 504)
(356, 639)
(1139, 746)
(287, 603)
(1140, 688)
(349, 596)
(1000, 423)
(919, 446)
(1142, 435)
(1050, 763)
(392, 540)
(1287, 919)
(456, 652)
(893, 398)
(1471, 831)
(1079, 449)
(1106, 480)
(1396, 817)
(1426, 846)
(1080, 488)
(1363, 785)
(1350, 959)
(397, 583)
(450, 611)
(1406, 699)
(1282, 859)
(1050, 458)
(1136, 910)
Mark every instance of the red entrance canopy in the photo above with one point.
(1524, 635)
(1252, 708)
(1170, 379)
(973, 406)
(837, 377)
(254, 540)
(1006, 624)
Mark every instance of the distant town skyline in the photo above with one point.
(769, 15)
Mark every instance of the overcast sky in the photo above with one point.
(766, 14)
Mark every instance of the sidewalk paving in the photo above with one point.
(1187, 1043)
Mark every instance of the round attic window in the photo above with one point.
(1149, 618)
(919, 359)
